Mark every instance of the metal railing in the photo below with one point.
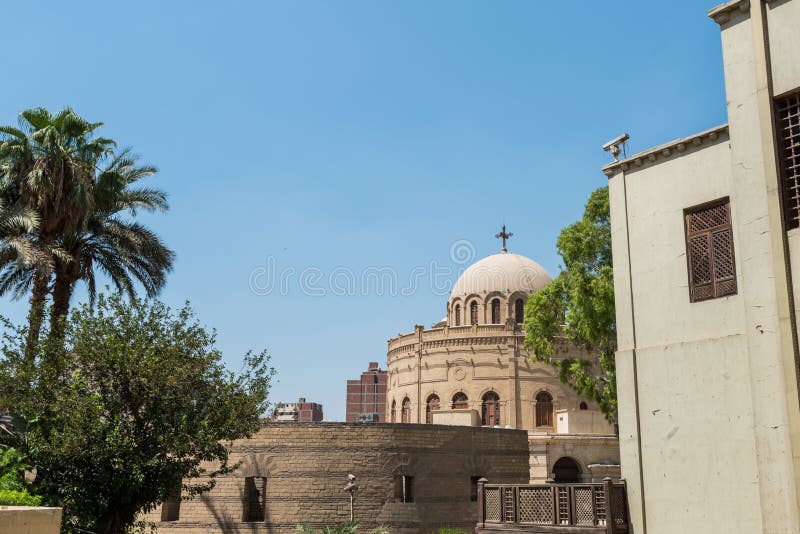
(600, 507)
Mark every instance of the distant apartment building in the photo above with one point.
(366, 396)
(297, 412)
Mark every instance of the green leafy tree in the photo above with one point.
(577, 308)
(133, 403)
(13, 486)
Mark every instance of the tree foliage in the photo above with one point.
(578, 307)
(130, 405)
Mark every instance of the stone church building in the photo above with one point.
(472, 369)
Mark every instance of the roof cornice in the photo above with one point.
(662, 152)
(722, 13)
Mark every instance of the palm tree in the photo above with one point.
(48, 165)
(122, 249)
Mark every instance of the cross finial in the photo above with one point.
(504, 236)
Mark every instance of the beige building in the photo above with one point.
(473, 369)
(706, 248)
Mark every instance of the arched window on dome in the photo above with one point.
(460, 401)
(496, 311)
(406, 411)
(458, 314)
(473, 312)
(519, 311)
(394, 412)
(431, 406)
(490, 414)
(544, 409)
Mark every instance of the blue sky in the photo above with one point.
(334, 139)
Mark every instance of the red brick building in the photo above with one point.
(300, 412)
(366, 397)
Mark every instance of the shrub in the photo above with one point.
(18, 498)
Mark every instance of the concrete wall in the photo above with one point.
(581, 422)
(29, 520)
(306, 466)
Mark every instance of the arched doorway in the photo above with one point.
(566, 470)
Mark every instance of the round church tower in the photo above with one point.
(473, 368)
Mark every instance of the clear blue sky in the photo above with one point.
(355, 134)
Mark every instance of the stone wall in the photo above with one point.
(306, 467)
(29, 520)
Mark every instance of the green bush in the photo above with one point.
(448, 530)
(348, 527)
(18, 498)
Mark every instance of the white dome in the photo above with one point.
(504, 273)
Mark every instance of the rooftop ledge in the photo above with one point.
(648, 157)
(722, 13)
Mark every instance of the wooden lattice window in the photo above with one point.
(254, 493)
(473, 312)
(490, 414)
(171, 507)
(709, 251)
(787, 122)
(519, 311)
(460, 401)
(496, 311)
(544, 409)
(431, 406)
(394, 412)
(458, 315)
(406, 411)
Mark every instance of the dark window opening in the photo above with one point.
(709, 251)
(171, 507)
(566, 470)
(544, 409)
(394, 412)
(584, 406)
(473, 488)
(404, 488)
(460, 401)
(458, 315)
(787, 122)
(490, 413)
(473, 313)
(519, 311)
(254, 493)
(496, 311)
(406, 411)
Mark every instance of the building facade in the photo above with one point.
(297, 412)
(366, 396)
(472, 368)
(706, 250)
(412, 478)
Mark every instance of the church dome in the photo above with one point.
(504, 273)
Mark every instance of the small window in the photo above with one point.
(394, 412)
(544, 409)
(519, 311)
(473, 312)
(406, 412)
(460, 401)
(171, 507)
(787, 122)
(458, 315)
(254, 493)
(404, 488)
(473, 488)
(496, 311)
(431, 406)
(584, 406)
(709, 251)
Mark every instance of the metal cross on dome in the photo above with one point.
(504, 236)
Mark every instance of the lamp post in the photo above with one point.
(351, 488)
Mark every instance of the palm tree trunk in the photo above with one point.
(62, 292)
(36, 313)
